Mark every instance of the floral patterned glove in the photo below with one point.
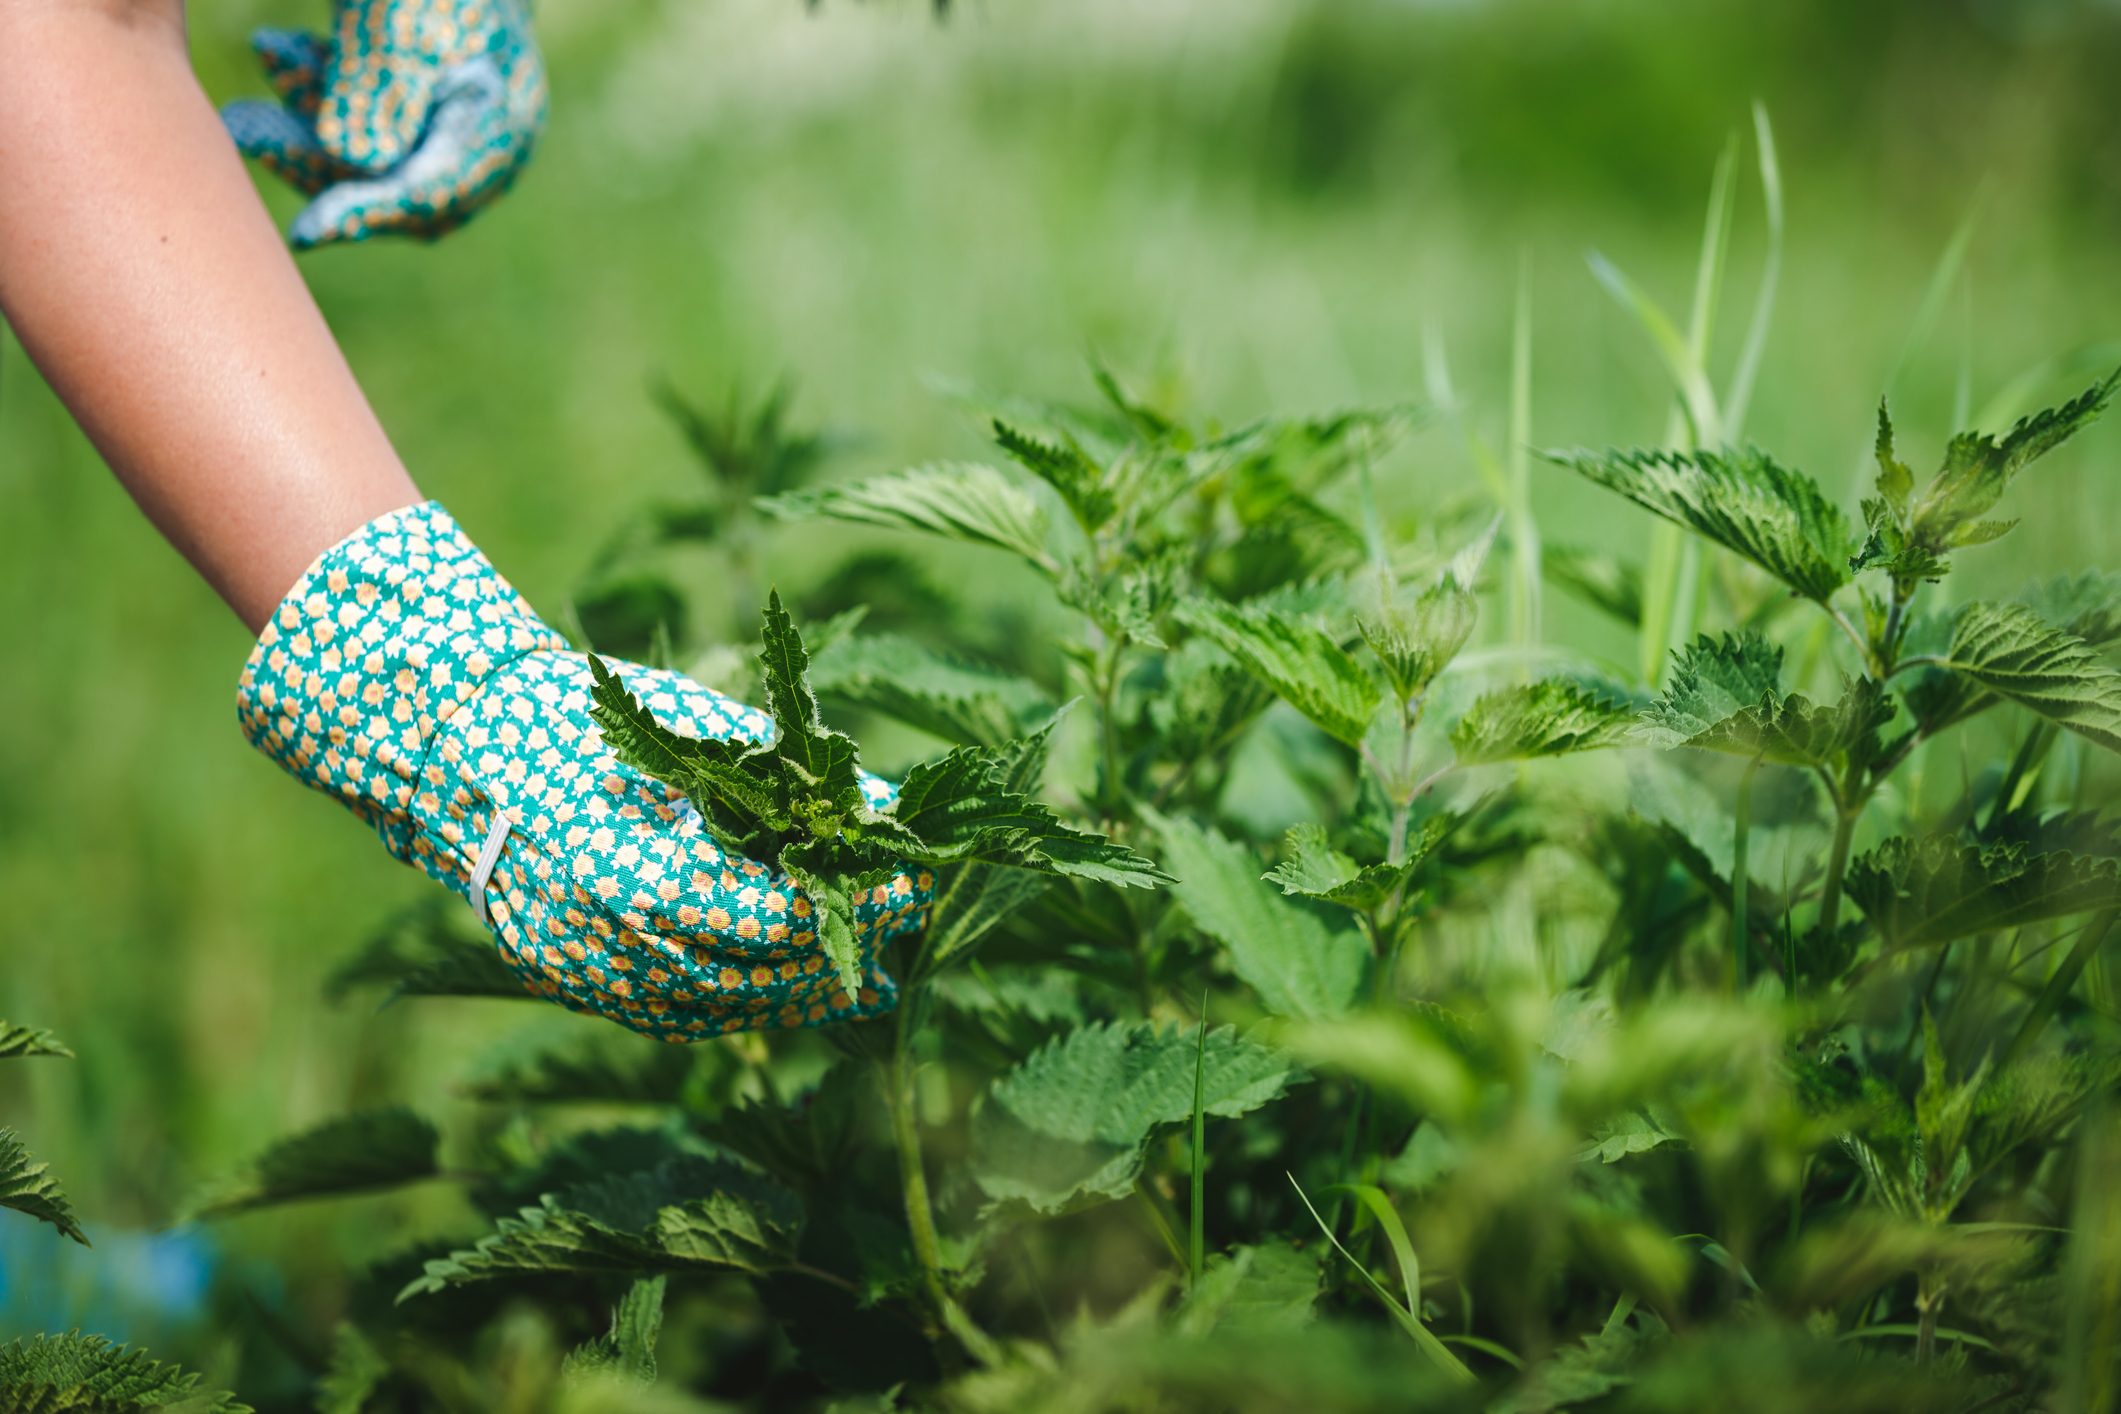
(405, 676)
(411, 117)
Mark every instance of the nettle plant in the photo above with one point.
(1290, 1030)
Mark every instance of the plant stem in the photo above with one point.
(1837, 860)
(1741, 877)
(1929, 1304)
(913, 1174)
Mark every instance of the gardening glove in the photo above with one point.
(411, 117)
(404, 676)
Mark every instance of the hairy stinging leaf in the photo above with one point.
(87, 1374)
(2012, 652)
(1282, 950)
(28, 1187)
(1743, 500)
(1302, 663)
(351, 1154)
(1550, 717)
(1071, 1120)
(958, 500)
(1928, 892)
(1726, 695)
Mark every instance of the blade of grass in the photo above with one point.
(1740, 397)
(1373, 1200)
(1524, 531)
(1197, 1245)
(1422, 1336)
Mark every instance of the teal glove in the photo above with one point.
(409, 119)
(403, 675)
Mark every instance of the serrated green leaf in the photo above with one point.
(686, 1214)
(938, 693)
(350, 1379)
(1302, 664)
(1725, 695)
(1269, 1287)
(823, 759)
(28, 1187)
(1922, 894)
(1070, 1121)
(959, 807)
(627, 1351)
(833, 909)
(1067, 469)
(1312, 868)
(1978, 467)
(1743, 500)
(1282, 950)
(18, 1041)
(809, 1140)
(1636, 1132)
(1549, 717)
(603, 1067)
(959, 500)
(86, 1374)
(2012, 652)
(728, 780)
(2085, 605)
(1417, 641)
(354, 1153)
(1896, 481)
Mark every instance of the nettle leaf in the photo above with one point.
(959, 500)
(2086, 605)
(725, 779)
(1206, 700)
(823, 759)
(18, 1041)
(1921, 894)
(1743, 500)
(600, 1067)
(1416, 642)
(686, 1214)
(1282, 950)
(1316, 870)
(1725, 696)
(352, 1154)
(938, 693)
(627, 1350)
(28, 1187)
(2012, 652)
(1071, 1120)
(808, 1140)
(833, 906)
(1067, 469)
(1301, 662)
(86, 1374)
(428, 951)
(979, 900)
(1128, 603)
(1550, 717)
(960, 807)
(1977, 469)
(1270, 1287)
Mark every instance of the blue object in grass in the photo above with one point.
(409, 118)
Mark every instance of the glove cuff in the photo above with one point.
(379, 643)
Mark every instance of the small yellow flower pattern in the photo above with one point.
(409, 117)
(404, 676)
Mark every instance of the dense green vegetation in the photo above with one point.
(1578, 928)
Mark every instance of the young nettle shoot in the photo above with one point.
(796, 802)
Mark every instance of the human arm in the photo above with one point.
(145, 278)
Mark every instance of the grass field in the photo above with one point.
(1255, 206)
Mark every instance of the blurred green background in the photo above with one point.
(1246, 204)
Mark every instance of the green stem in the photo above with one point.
(913, 1174)
(1741, 878)
(2058, 986)
(1837, 863)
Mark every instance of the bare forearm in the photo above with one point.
(144, 276)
